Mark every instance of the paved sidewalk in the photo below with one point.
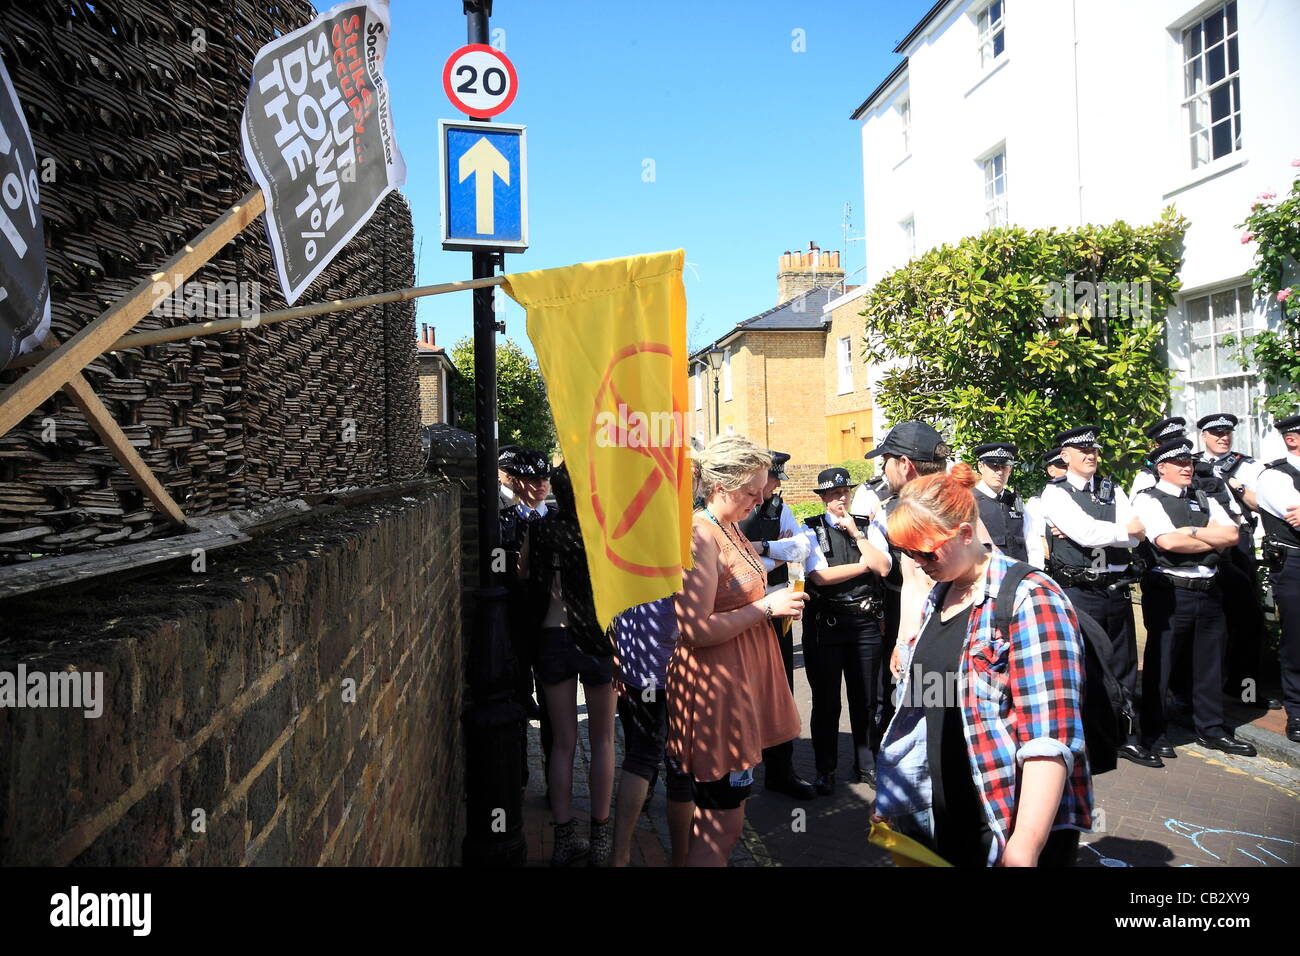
(1204, 808)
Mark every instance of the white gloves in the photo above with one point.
(789, 549)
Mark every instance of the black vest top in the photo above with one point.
(1275, 529)
(1190, 510)
(1004, 519)
(838, 549)
(764, 524)
(1222, 472)
(1100, 506)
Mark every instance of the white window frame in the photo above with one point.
(1198, 93)
(699, 387)
(905, 124)
(1225, 369)
(908, 226)
(726, 374)
(844, 361)
(995, 206)
(990, 32)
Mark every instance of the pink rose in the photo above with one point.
(1284, 294)
(1295, 162)
(1269, 194)
(1247, 237)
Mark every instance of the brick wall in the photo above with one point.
(792, 393)
(430, 377)
(224, 692)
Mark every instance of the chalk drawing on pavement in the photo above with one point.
(1199, 836)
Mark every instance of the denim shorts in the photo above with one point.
(559, 659)
(645, 729)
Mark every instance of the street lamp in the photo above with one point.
(715, 362)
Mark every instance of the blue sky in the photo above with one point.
(754, 152)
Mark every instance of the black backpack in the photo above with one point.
(1107, 706)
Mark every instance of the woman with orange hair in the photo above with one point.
(984, 760)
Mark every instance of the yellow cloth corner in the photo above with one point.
(610, 338)
(905, 850)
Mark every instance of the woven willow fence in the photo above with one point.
(134, 107)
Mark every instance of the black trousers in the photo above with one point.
(1112, 608)
(1243, 660)
(1286, 592)
(1179, 621)
(778, 761)
(853, 656)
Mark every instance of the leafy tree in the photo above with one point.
(1015, 334)
(523, 413)
(1275, 227)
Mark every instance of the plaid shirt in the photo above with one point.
(1022, 697)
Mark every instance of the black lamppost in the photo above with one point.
(715, 362)
(494, 719)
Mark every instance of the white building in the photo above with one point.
(1066, 112)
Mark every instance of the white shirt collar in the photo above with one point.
(985, 489)
(1170, 489)
(1078, 483)
(1295, 460)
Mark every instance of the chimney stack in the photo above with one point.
(801, 272)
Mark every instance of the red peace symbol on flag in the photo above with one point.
(664, 460)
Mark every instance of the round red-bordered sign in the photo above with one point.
(480, 80)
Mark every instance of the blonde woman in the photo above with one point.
(727, 693)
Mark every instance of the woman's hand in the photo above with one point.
(896, 662)
(785, 602)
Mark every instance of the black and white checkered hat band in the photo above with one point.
(1086, 439)
(1181, 451)
(1218, 423)
(1170, 429)
(1291, 428)
(996, 453)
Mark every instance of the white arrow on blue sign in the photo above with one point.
(484, 186)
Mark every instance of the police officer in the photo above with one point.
(770, 521)
(842, 639)
(1001, 509)
(1035, 526)
(1091, 534)
(1182, 601)
(1278, 495)
(1229, 477)
(1162, 431)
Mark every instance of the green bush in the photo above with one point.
(1016, 334)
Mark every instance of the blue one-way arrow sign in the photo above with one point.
(484, 186)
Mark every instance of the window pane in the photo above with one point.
(995, 11)
(1191, 42)
(982, 21)
(1202, 360)
(1232, 55)
(1232, 16)
(1194, 80)
(1198, 314)
(1220, 103)
(1233, 396)
(999, 44)
(1222, 137)
(1216, 63)
(1213, 28)
(1205, 396)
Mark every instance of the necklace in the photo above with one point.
(744, 552)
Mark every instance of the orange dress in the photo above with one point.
(728, 701)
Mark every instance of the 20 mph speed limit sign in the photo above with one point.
(480, 81)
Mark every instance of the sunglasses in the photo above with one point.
(930, 556)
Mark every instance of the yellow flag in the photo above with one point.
(611, 342)
(904, 850)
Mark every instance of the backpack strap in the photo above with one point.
(1004, 605)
